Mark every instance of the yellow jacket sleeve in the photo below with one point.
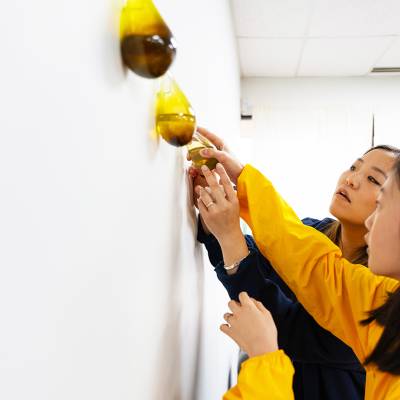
(337, 293)
(269, 376)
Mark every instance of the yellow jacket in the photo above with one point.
(264, 377)
(335, 292)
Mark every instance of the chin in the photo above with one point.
(345, 215)
(338, 212)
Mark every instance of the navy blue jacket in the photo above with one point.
(325, 367)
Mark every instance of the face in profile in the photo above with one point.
(383, 238)
(358, 187)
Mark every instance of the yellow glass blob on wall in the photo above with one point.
(175, 119)
(198, 143)
(147, 45)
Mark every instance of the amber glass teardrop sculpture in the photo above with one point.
(175, 119)
(198, 143)
(147, 45)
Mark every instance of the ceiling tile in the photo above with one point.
(341, 56)
(269, 57)
(271, 18)
(355, 18)
(392, 57)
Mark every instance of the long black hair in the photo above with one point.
(386, 354)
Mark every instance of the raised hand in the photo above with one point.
(219, 206)
(232, 165)
(251, 326)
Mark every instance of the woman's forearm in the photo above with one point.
(234, 248)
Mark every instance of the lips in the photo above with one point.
(342, 192)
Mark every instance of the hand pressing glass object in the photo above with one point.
(198, 143)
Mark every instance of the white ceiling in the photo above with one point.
(316, 37)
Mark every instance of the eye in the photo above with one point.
(373, 180)
(353, 168)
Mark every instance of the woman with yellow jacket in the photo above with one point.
(354, 303)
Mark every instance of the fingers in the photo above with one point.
(203, 200)
(202, 208)
(245, 299)
(260, 306)
(213, 153)
(234, 306)
(199, 180)
(214, 139)
(197, 189)
(226, 183)
(213, 184)
(205, 197)
(230, 332)
(210, 192)
(227, 317)
(227, 330)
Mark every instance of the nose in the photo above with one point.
(353, 181)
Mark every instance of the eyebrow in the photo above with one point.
(380, 171)
(374, 168)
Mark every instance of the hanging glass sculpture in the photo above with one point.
(175, 119)
(147, 45)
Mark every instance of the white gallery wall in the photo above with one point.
(306, 131)
(104, 292)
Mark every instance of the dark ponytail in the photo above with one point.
(386, 354)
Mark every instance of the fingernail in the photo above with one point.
(204, 152)
(204, 168)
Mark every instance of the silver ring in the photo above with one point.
(209, 204)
